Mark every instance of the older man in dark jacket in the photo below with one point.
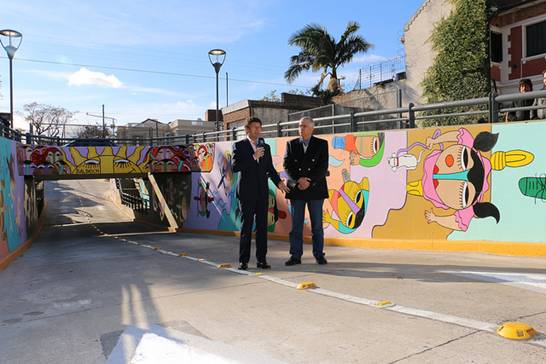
(306, 163)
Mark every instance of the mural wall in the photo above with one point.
(14, 222)
(476, 182)
(59, 162)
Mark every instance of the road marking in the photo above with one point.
(539, 339)
(529, 281)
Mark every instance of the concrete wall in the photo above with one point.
(419, 53)
(404, 203)
(20, 203)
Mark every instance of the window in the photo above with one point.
(536, 39)
(496, 47)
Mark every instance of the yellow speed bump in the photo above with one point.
(306, 285)
(182, 254)
(383, 303)
(223, 266)
(516, 331)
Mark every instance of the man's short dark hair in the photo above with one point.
(252, 120)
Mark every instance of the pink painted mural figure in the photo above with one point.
(455, 177)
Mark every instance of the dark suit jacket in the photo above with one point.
(253, 182)
(312, 164)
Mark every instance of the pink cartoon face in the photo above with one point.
(451, 181)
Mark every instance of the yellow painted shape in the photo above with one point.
(223, 265)
(306, 285)
(384, 303)
(182, 254)
(258, 273)
(513, 158)
(514, 330)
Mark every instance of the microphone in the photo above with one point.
(260, 143)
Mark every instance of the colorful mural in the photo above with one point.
(454, 183)
(56, 162)
(13, 219)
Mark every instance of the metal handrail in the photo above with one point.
(406, 117)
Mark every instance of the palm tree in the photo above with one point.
(319, 50)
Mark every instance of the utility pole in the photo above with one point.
(103, 117)
(227, 90)
(103, 124)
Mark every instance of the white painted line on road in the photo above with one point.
(529, 281)
(431, 315)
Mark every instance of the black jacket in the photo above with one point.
(253, 182)
(312, 164)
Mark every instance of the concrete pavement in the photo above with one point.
(89, 277)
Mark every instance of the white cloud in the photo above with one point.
(369, 58)
(19, 121)
(87, 77)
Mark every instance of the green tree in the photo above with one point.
(320, 51)
(92, 132)
(461, 67)
(272, 96)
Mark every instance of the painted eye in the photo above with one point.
(464, 195)
(358, 198)
(350, 220)
(465, 158)
(91, 161)
(121, 161)
(375, 145)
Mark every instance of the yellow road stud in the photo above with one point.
(223, 266)
(384, 303)
(182, 254)
(306, 285)
(258, 273)
(156, 247)
(514, 330)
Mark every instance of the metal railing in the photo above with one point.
(132, 199)
(490, 108)
(379, 72)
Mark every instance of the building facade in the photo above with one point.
(269, 112)
(141, 133)
(518, 43)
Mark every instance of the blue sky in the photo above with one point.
(175, 36)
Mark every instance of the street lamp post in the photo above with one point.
(217, 58)
(10, 43)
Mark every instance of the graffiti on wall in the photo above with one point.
(13, 220)
(60, 161)
(456, 183)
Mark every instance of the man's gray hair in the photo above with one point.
(309, 119)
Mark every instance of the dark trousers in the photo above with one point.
(297, 208)
(249, 210)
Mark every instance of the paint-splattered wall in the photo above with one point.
(13, 217)
(478, 182)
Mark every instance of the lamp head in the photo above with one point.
(10, 40)
(217, 58)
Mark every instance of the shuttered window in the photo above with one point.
(536, 39)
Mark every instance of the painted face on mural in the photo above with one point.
(451, 177)
(368, 145)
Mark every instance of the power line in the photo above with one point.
(164, 73)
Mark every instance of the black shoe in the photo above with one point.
(292, 261)
(243, 266)
(263, 265)
(321, 260)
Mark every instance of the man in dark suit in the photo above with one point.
(306, 163)
(252, 157)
